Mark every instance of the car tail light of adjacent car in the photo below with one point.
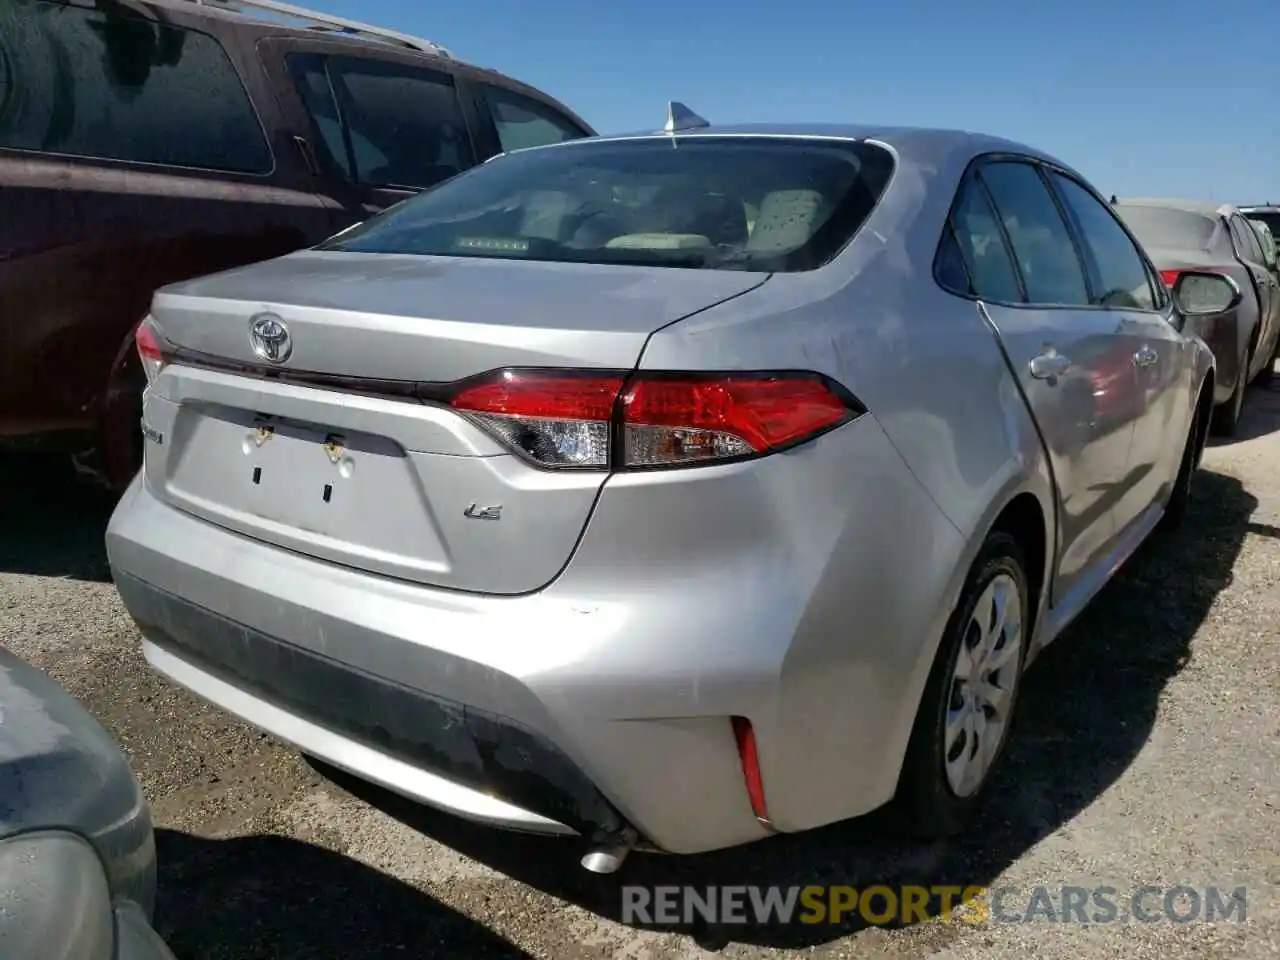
(149, 350)
(652, 420)
(1170, 277)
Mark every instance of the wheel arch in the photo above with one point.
(1025, 511)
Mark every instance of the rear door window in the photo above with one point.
(1119, 273)
(988, 268)
(385, 124)
(1042, 245)
(524, 122)
(114, 85)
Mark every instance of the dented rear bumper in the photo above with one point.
(484, 765)
(490, 708)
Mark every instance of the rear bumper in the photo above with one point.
(463, 703)
(371, 726)
(765, 589)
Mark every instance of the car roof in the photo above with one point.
(1202, 207)
(311, 23)
(912, 144)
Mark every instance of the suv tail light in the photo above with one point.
(651, 420)
(149, 350)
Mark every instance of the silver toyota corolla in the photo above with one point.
(669, 489)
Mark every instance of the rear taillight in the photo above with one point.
(683, 420)
(554, 419)
(149, 352)
(651, 420)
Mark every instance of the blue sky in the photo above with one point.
(1176, 98)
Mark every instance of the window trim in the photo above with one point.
(974, 167)
(145, 165)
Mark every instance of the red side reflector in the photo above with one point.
(746, 738)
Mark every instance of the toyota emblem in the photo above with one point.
(269, 338)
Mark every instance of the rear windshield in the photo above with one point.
(696, 202)
(1164, 227)
(1272, 220)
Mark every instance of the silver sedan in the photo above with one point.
(670, 489)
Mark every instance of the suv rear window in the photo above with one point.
(720, 203)
(119, 86)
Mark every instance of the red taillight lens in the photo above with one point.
(570, 419)
(555, 419)
(678, 420)
(149, 351)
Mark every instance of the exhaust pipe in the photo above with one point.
(608, 857)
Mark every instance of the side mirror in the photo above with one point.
(1202, 294)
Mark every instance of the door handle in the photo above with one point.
(1049, 365)
(1145, 357)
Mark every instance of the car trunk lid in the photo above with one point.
(328, 453)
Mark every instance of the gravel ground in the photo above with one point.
(1146, 754)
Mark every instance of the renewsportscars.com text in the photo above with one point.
(885, 906)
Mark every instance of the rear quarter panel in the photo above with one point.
(932, 376)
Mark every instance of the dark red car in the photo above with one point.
(148, 141)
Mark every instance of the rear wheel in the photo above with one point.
(968, 703)
(1226, 416)
(1180, 499)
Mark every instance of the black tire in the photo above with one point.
(1226, 416)
(1175, 513)
(1267, 375)
(926, 802)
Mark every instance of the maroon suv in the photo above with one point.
(148, 141)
